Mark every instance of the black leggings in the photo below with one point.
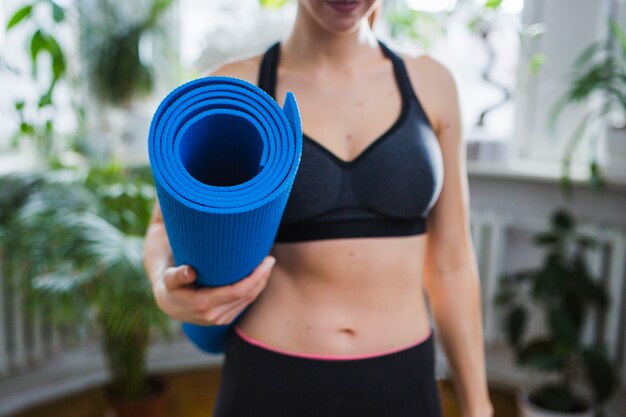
(257, 382)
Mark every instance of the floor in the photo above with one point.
(191, 394)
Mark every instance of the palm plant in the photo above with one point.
(76, 240)
(563, 289)
(599, 70)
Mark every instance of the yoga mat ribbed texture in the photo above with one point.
(224, 156)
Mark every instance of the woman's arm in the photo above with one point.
(450, 273)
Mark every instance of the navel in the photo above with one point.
(347, 331)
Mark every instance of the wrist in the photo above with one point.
(484, 409)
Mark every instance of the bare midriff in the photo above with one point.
(355, 296)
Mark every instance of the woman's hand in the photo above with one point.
(173, 286)
(179, 298)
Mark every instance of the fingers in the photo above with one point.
(176, 277)
(241, 289)
(232, 314)
(225, 313)
(237, 307)
(215, 305)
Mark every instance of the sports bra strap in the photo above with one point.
(269, 64)
(402, 76)
(267, 70)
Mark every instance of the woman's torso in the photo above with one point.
(353, 295)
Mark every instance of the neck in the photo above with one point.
(310, 43)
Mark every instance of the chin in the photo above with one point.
(338, 16)
(341, 27)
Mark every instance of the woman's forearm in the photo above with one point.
(454, 298)
(157, 249)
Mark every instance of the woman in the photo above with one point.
(339, 325)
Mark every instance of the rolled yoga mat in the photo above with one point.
(224, 156)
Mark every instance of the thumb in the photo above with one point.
(177, 277)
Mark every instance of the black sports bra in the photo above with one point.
(388, 190)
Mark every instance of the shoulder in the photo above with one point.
(436, 86)
(426, 67)
(246, 69)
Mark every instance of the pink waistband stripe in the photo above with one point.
(326, 357)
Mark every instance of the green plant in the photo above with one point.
(43, 40)
(48, 68)
(72, 240)
(273, 3)
(111, 42)
(563, 289)
(71, 234)
(599, 70)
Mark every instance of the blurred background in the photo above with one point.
(543, 92)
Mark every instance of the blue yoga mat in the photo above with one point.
(224, 156)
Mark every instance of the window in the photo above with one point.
(571, 25)
(480, 46)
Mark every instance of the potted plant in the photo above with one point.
(578, 377)
(111, 39)
(73, 242)
(71, 234)
(599, 71)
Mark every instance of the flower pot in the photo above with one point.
(152, 405)
(529, 409)
(613, 153)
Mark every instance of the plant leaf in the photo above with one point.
(44, 100)
(58, 57)
(617, 31)
(58, 281)
(493, 4)
(37, 44)
(564, 329)
(555, 112)
(562, 220)
(516, 324)
(587, 54)
(541, 354)
(598, 180)
(572, 143)
(546, 238)
(20, 15)
(58, 13)
(273, 3)
(537, 61)
(587, 241)
(600, 372)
